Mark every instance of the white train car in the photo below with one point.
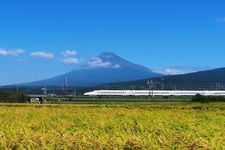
(152, 93)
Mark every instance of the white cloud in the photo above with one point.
(116, 66)
(180, 69)
(42, 54)
(69, 57)
(69, 53)
(168, 71)
(14, 52)
(71, 60)
(97, 62)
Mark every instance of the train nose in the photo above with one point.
(89, 93)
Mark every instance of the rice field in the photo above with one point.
(128, 126)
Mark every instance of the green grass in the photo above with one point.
(113, 126)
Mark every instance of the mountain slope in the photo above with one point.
(210, 79)
(106, 68)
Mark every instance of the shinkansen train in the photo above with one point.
(152, 93)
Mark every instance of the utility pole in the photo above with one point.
(74, 94)
(150, 86)
(65, 85)
(66, 82)
(45, 91)
(162, 79)
(17, 89)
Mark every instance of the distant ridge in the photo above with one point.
(105, 68)
(210, 79)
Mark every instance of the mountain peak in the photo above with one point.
(115, 60)
(112, 58)
(108, 54)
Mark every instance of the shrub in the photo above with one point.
(207, 99)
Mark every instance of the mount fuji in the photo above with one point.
(103, 69)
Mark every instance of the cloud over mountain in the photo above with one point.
(180, 69)
(168, 71)
(97, 62)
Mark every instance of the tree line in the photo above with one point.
(207, 99)
(12, 96)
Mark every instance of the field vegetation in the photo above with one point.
(113, 126)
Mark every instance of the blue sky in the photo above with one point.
(44, 38)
